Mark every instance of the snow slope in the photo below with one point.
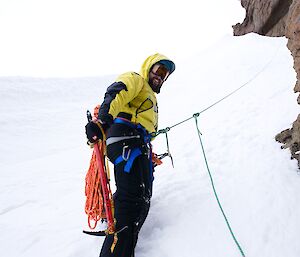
(44, 159)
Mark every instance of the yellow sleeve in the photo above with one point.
(134, 84)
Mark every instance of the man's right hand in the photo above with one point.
(93, 132)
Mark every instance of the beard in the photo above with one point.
(155, 85)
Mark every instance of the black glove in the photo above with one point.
(93, 132)
(106, 120)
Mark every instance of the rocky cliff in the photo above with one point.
(276, 18)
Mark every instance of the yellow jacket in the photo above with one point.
(136, 98)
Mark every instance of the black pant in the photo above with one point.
(131, 202)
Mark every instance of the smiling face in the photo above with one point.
(157, 76)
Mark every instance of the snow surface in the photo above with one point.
(44, 159)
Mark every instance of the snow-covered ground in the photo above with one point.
(44, 158)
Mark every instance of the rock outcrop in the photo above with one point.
(265, 17)
(276, 18)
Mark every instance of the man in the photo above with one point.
(129, 116)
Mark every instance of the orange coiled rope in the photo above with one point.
(94, 198)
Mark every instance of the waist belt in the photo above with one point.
(146, 136)
(112, 140)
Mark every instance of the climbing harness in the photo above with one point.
(128, 154)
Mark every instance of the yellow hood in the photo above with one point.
(149, 62)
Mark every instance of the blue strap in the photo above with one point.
(133, 154)
(151, 165)
(147, 136)
(124, 121)
(118, 160)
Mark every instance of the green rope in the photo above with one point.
(223, 98)
(196, 115)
